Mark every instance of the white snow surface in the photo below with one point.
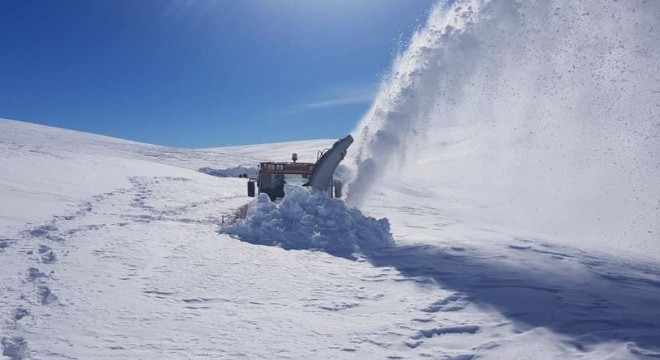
(111, 251)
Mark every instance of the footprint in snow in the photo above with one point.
(34, 273)
(429, 333)
(46, 297)
(20, 313)
(47, 254)
(453, 302)
(14, 348)
(42, 231)
(45, 232)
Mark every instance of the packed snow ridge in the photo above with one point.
(308, 219)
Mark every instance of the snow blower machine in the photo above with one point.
(319, 175)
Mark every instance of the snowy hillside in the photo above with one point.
(46, 169)
(109, 250)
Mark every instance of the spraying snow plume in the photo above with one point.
(308, 219)
(403, 107)
(546, 112)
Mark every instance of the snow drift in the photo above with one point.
(542, 115)
(236, 171)
(308, 219)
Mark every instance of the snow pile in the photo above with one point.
(308, 219)
(541, 115)
(237, 171)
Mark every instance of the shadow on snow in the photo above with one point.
(600, 302)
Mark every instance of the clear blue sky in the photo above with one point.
(199, 73)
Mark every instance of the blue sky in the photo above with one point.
(199, 73)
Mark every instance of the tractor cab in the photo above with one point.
(274, 175)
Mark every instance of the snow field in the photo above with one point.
(141, 270)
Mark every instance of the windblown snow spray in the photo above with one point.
(545, 113)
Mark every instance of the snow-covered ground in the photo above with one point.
(109, 250)
(513, 150)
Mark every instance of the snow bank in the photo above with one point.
(307, 219)
(231, 172)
